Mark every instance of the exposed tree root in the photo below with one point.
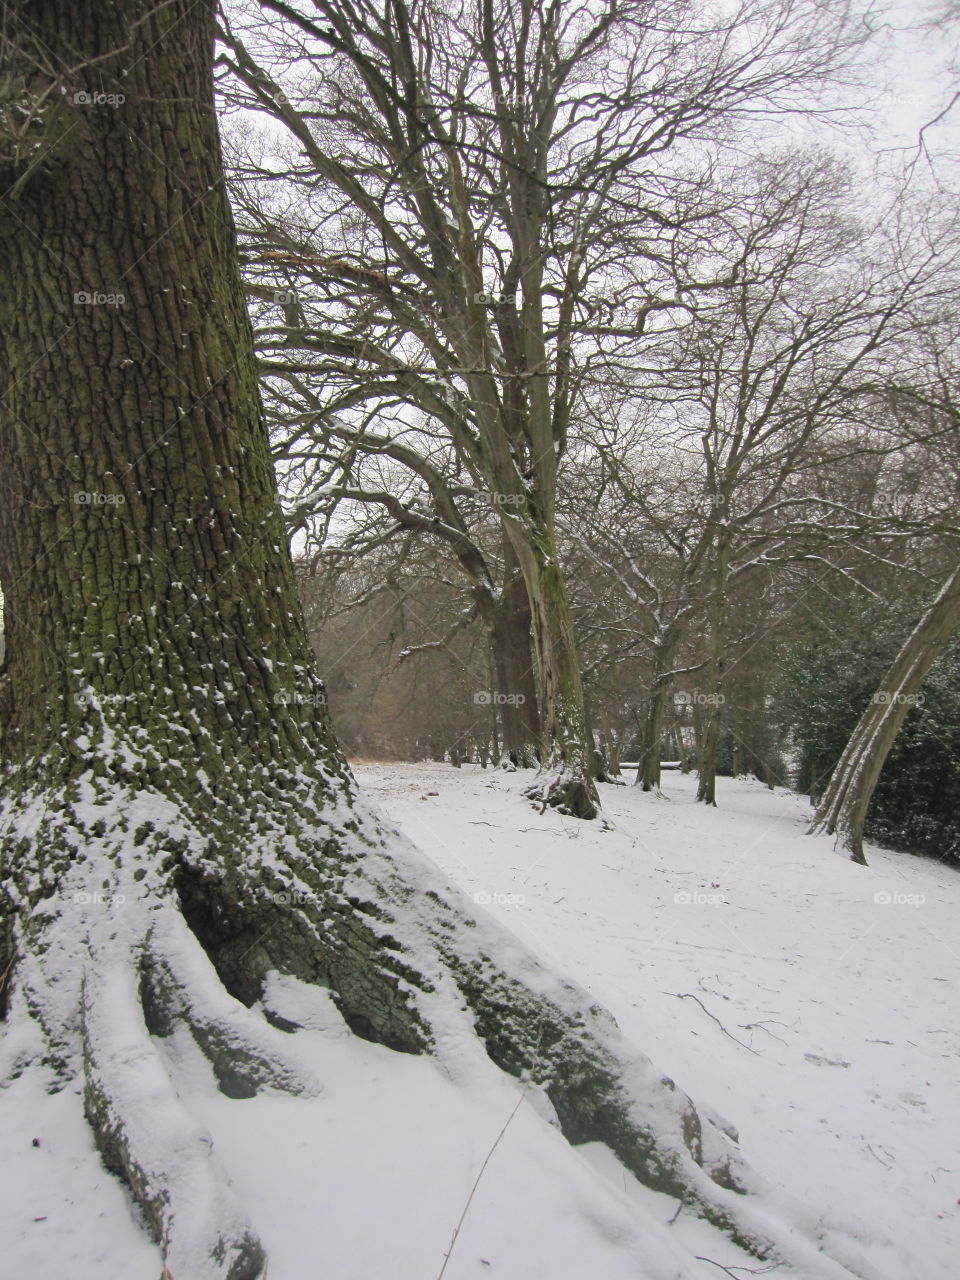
(566, 790)
(180, 984)
(146, 1136)
(188, 935)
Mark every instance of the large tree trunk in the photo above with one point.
(567, 755)
(710, 743)
(178, 820)
(843, 807)
(513, 658)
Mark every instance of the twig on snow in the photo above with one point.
(489, 1156)
(687, 995)
(732, 1271)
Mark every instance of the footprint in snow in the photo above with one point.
(825, 1062)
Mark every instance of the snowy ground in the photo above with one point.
(806, 999)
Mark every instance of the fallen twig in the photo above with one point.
(878, 1158)
(732, 1271)
(687, 995)
(762, 1026)
(483, 1167)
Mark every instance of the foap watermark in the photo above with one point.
(507, 499)
(98, 298)
(97, 701)
(286, 699)
(487, 299)
(697, 898)
(94, 98)
(698, 699)
(883, 698)
(292, 897)
(98, 898)
(284, 297)
(87, 498)
(484, 898)
(891, 898)
(493, 698)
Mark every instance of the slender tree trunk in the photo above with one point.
(843, 807)
(648, 771)
(611, 745)
(709, 746)
(711, 704)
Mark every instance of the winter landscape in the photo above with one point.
(480, 675)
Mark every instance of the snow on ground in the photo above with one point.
(834, 984)
(806, 999)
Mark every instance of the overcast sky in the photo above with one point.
(922, 71)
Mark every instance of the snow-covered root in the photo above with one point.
(648, 1122)
(179, 984)
(483, 982)
(548, 1031)
(565, 789)
(145, 1134)
(347, 905)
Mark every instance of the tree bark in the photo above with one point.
(510, 634)
(648, 771)
(567, 763)
(845, 802)
(711, 706)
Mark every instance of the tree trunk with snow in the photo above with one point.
(648, 770)
(709, 746)
(567, 755)
(843, 807)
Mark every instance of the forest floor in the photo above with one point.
(809, 1001)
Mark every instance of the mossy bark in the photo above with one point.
(567, 756)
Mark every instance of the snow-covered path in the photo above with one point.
(808, 1000)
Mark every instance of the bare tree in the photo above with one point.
(352, 491)
(775, 371)
(492, 202)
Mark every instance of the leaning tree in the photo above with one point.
(177, 820)
(843, 808)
